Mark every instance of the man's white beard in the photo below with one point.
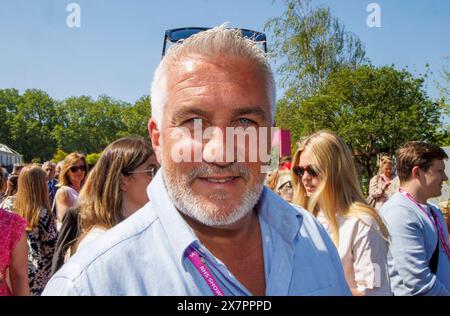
(179, 189)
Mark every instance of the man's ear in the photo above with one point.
(415, 172)
(155, 137)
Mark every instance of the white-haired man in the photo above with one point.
(210, 228)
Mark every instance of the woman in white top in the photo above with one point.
(71, 178)
(326, 183)
(116, 187)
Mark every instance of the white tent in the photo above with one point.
(8, 156)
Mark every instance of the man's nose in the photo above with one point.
(215, 147)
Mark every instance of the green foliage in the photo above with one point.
(86, 125)
(375, 110)
(91, 159)
(39, 127)
(443, 135)
(29, 121)
(9, 98)
(59, 155)
(310, 44)
(136, 118)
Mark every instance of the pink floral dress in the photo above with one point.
(12, 227)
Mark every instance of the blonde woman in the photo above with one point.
(32, 204)
(380, 187)
(326, 183)
(71, 178)
(116, 186)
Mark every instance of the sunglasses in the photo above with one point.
(150, 171)
(179, 34)
(300, 171)
(78, 168)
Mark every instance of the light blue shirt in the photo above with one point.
(145, 255)
(413, 241)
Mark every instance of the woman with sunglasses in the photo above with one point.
(326, 183)
(115, 188)
(71, 178)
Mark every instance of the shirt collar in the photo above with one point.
(179, 234)
(271, 208)
(279, 215)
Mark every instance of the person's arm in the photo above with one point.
(63, 203)
(369, 251)
(18, 268)
(376, 187)
(409, 256)
(66, 236)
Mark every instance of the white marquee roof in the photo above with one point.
(5, 149)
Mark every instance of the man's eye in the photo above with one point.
(246, 122)
(194, 120)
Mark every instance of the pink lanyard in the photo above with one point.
(436, 222)
(196, 260)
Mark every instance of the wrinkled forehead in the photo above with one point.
(204, 67)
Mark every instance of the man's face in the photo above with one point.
(50, 171)
(218, 94)
(57, 171)
(432, 179)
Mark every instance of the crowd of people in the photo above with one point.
(141, 223)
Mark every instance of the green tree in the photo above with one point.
(60, 155)
(309, 45)
(31, 125)
(9, 98)
(375, 110)
(86, 125)
(92, 158)
(443, 137)
(136, 118)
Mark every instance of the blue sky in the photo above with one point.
(118, 45)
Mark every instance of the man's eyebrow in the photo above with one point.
(256, 110)
(187, 111)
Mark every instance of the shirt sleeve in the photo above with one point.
(376, 187)
(333, 252)
(18, 226)
(408, 251)
(370, 259)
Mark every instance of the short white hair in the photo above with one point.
(218, 42)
